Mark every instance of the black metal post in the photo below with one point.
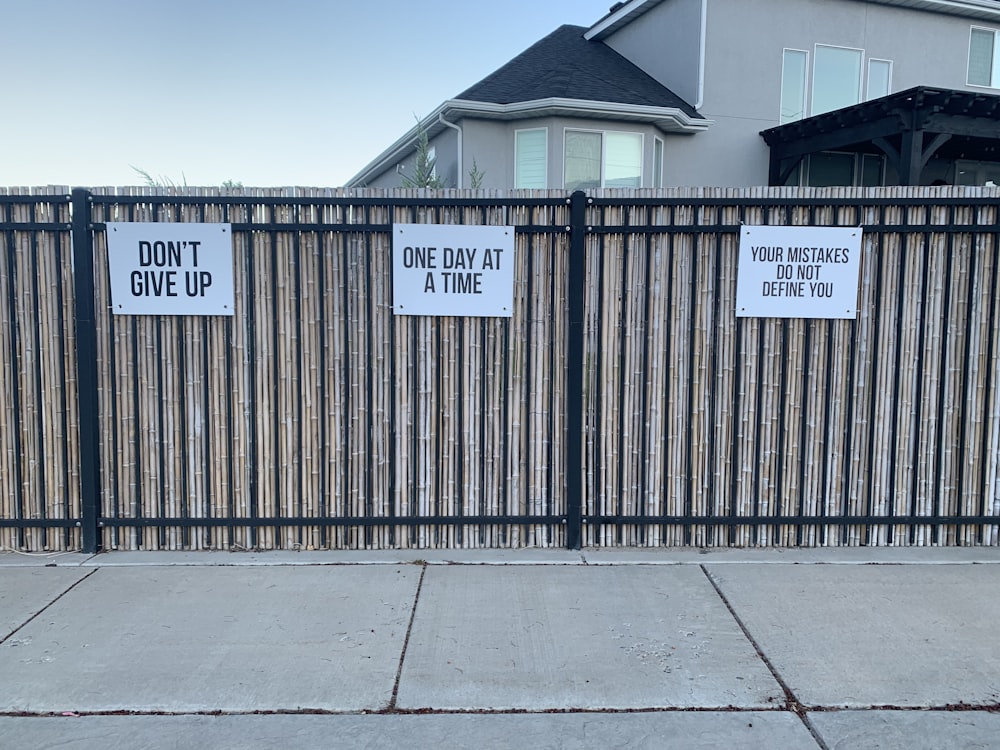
(575, 369)
(86, 368)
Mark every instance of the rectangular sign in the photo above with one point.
(170, 269)
(451, 269)
(798, 272)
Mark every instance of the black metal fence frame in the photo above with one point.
(581, 209)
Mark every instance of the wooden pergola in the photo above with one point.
(909, 127)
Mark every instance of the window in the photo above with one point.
(835, 169)
(530, 159)
(879, 78)
(836, 78)
(657, 163)
(595, 159)
(432, 157)
(977, 172)
(793, 85)
(984, 58)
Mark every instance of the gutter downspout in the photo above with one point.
(453, 126)
(701, 56)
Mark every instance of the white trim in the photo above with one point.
(657, 141)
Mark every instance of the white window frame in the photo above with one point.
(545, 164)
(868, 79)
(861, 76)
(805, 86)
(658, 152)
(994, 67)
(604, 151)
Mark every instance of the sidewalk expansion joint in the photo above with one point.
(792, 703)
(962, 707)
(406, 641)
(20, 627)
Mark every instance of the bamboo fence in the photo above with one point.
(314, 402)
(314, 418)
(694, 413)
(39, 436)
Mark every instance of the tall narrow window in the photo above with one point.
(836, 78)
(984, 58)
(879, 78)
(793, 85)
(657, 163)
(530, 159)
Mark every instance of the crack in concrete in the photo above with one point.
(37, 614)
(406, 640)
(792, 703)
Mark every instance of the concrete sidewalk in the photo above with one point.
(550, 649)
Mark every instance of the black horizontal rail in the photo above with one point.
(596, 520)
(40, 523)
(25, 199)
(699, 229)
(35, 226)
(709, 202)
(342, 228)
(287, 521)
(603, 520)
(251, 200)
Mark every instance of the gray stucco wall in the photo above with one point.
(666, 43)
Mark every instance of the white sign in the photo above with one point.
(170, 269)
(450, 269)
(798, 272)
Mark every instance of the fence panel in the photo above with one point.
(707, 429)
(40, 500)
(314, 418)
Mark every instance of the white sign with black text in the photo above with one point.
(160, 268)
(798, 272)
(452, 269)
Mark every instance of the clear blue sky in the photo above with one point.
(296, 92)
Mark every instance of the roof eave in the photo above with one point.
(629, 11)
(666, 119)
(622, 16)
(982, 9)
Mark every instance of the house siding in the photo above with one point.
(666, 44)
(743, 72)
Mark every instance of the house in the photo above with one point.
(737, 93)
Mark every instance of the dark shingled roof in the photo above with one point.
(567, 66)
